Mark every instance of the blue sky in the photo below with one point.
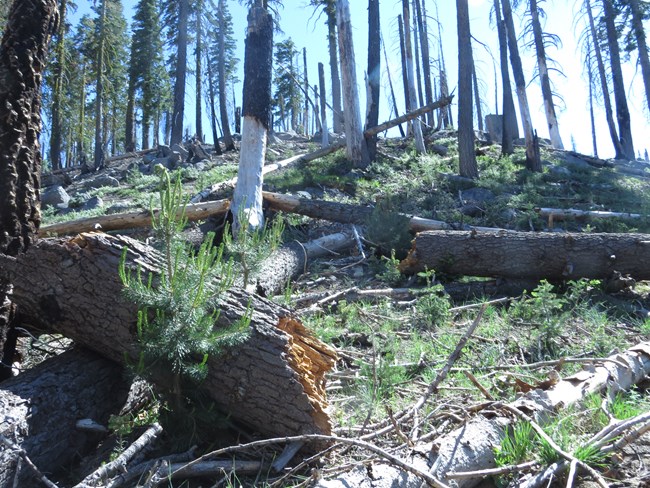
(307, 29)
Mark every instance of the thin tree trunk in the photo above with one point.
(337, 115)
(228, 142)
(609, 113)
(416, 56)
(99, 91)
(129, 132)
(405, 76)
(82, 118)
(213, 114)
(477, 95)
(323, 107)
(510, 125)
(305, 114)
(374, 74)
(390, 84)
(466, 152)
(357, 151)
(247, 198)
(447, 119)
(426, 62)
(181, 72)
(642, 46)
(592, 120)
(417, 126)
(198, 74)
(533, 162)
(57, 100)
(547, 95)
(622, 110)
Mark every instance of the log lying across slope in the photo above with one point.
(274, 382)
(545, 255)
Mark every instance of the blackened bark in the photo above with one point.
(181, 72)
(392, 90)
(323, 106)
(426, 63)
(405, 77)
(466, 153)
(374, 74)
(417, 126)
(99, 92)
(57, 96)
(622, 109)
(129, 139)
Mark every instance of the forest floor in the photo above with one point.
(392, 346)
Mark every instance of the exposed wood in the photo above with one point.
(274, 382)
(480, 436)
(131, 220)
(39, 410)
(291, 260)
(564, 213)
(523, 255)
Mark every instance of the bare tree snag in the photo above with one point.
(417, 126)
(374, 74)
(357, 149)
(323, 109)
(471, 447)
(247, 198)
(132, 220)
(274, 382)
(552, 256)
(291, 260)
(39, 410)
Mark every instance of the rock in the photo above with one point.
(558, 170)
(147, 158)
(200, 166)
(56, 197)
(439, 149)
(477, 195)
(100, 181)
(93, 203)
(178, 148)
(62, 179)
(377, 475)
(164, 151)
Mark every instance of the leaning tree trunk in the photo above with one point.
(642, 46)
(547, 94)
(466, 152)
(374, 74)
(520, 255)
(417, 126)
(39, 410)
(22, 61)
(622, 109)
(510, 126)
(181, 72)
(274, 382)
(533, 162)
(357, 151)
(247, 199)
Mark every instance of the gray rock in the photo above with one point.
(100, 181)
(147, 158)
(178, 148)
(377, 476)
(200, 166)
(558, 170)
(93, 203)
(55, 196)
(494, 126)
(164, 151)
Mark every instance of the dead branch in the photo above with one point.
(23, 455)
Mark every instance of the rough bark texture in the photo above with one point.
(357, 150)
(466, 152)
(551, 256)
(274, 382)
(374, 74)
(181, 72)
(510, 125)
(39, 410)
(228, 142)
(257, 119)
(417, 126)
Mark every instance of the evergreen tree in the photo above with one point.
(286, 78)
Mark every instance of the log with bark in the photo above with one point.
(274, 382)
(524, 255)
(40, 408)
(564, 213)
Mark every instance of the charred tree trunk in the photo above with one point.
(181, 72)
(40, 409)
(522, 255)
(374, 74)
(305, 110)
(323, 106)
(466, 152)
(510, 125)
(57, 97)
(426, 63)
(477, 96)
(274, 382)
(357, 151)
(99, 91)
(213, 114)
(129, 126)
(247, 199)
(199, 73)
(417, 126)
(405, 77)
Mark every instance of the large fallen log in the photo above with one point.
(290, 261)
(132, 220)
(527, 255)
(40, 408)
(274, 382)
(564, 213)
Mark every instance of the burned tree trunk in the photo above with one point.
(274, 382)
(374, 75)
(530, 255)
(40, 408)
(323, 109)
(257, 118)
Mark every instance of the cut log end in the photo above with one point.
(311, 359)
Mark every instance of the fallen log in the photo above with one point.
(524, 255)
(564, 213)
(471, 447)
(132, 220)
(274, 382)
(290, 261)
(40, 408)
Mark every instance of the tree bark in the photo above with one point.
(357, 151)
(213, 114)
(198, 116)
(374, 74)
(99, 91)
(332, 39)
(622, 109)
(609, 114)
(274, 382)
(547, 94)
(228, 142)
(426, 63)
(417, 126)
(247, 199)
(323, 109)
(466, 153)
(642, 46)
(181, 72)
(40, 408)
(57, 96)
(510, 125)
(533, 163)
(305, 110)
(521, 255)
